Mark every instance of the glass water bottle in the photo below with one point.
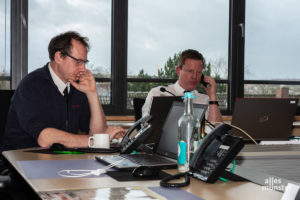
(188, 134)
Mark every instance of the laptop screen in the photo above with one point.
(159, 110)
(264, 118)
(167, 145)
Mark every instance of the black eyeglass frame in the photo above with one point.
(76, 59)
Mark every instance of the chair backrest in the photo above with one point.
(137, 107)
(5, 96)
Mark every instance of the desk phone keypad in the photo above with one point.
(211, 164)
(216, 159)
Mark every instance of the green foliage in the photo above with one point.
(220, 87)
(169, 72)
(3, 83)
(207, 69)
(141, 86)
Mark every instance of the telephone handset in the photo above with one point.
(215, 153)
(202, 81)
(130, 142)
(211, 158)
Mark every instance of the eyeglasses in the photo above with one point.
(77, 61)
(190, 71)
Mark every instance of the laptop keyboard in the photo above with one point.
(147, 159)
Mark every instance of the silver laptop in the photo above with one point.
(264, 118)
(165, 155)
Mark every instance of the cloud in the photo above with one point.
(172, 27)
(159, 29)
(90, 18)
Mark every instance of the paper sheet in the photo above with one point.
(47, 169)
(124, 193)
(280, 142)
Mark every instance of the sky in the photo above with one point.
(4, 37)
(157, 29)
(272, 39)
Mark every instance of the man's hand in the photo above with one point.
(86, 83)
(210, 90)
(115, 132)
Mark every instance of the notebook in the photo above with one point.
(165, 155)
(264, 118)
(159, 110)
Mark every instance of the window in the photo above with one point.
(5, 44)
(159, 30)
(272, 44)
(133, 40)
(90, 18)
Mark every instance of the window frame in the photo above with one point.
(119, 41)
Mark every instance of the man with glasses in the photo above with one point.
(55, 103)
(189, 71)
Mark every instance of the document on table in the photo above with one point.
(280, 142)
(47, 169)
(125, 193)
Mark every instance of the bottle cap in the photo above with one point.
(188, 95)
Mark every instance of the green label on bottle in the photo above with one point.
(181, 152)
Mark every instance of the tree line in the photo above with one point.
(169, 72)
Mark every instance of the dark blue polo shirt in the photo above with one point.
(38, 104)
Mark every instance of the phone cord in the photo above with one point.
(165, 182)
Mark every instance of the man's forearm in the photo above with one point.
(49, 136)
(97, 119)
(214, 114)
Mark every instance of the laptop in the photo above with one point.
(264, 118)
(159, 110)
(165, 155)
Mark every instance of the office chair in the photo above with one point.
(5, 96)
(137, 107)
(12, 186)
(5, 179)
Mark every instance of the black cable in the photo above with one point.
(165, 182)
(210, 123)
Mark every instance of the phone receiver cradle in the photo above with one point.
(129, 144)
(132, 143)
(214, 154)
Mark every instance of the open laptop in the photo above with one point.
(264, 118)
(165, 155)
(159, 110)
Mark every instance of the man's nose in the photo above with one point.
(82, 67)
(194, 75)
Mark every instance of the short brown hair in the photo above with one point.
(189, 53)
(63, 43)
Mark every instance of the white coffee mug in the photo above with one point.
(99, 140)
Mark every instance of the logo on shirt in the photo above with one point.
(263, 119)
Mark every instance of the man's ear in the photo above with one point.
(178, 70)
(58, 57)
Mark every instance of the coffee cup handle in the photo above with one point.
(89, 141)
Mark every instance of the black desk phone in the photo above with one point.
(215, 153)
(212, 157)
(136, 134)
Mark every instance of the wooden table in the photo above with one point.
(219, 190)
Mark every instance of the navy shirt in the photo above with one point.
(38, 104)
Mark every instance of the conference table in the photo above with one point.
(197, 189)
